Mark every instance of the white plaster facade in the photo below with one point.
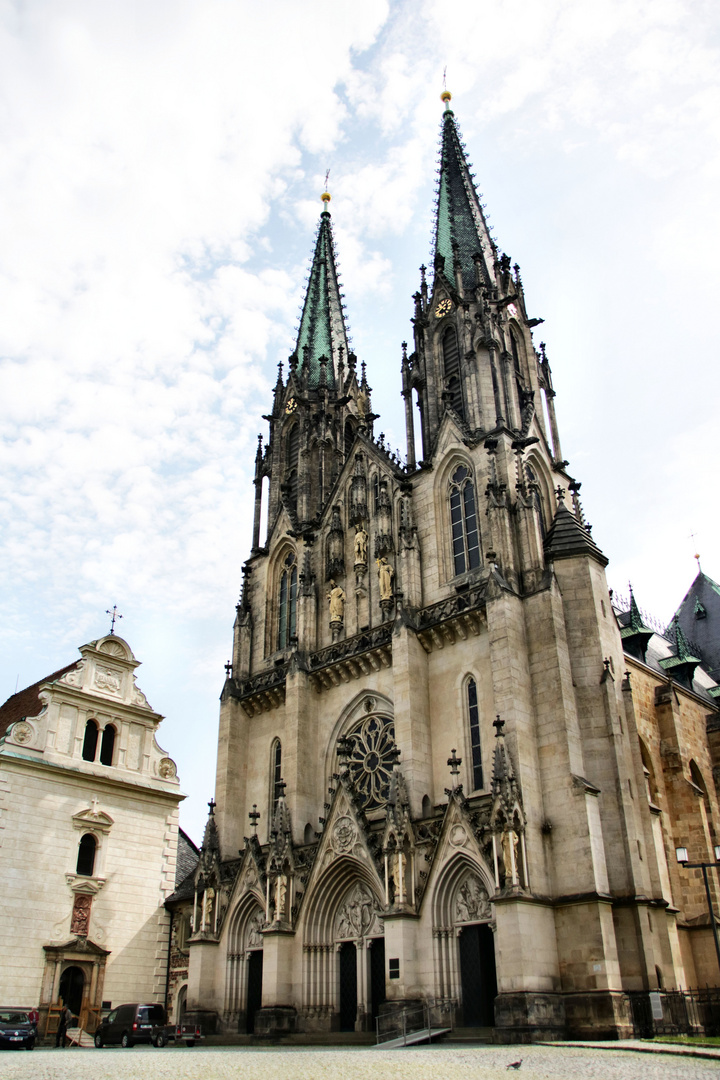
(104, 917)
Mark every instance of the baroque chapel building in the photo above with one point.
(430, 782)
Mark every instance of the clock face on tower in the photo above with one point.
(443, 307)
(291, 406)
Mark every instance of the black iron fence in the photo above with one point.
(676, 1012)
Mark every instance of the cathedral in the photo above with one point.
(449, 768)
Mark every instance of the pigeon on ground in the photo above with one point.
(514, 1064)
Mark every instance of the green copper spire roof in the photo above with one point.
(461, 230)
(322, 326)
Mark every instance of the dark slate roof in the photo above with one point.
(27, 702)
(698, 616)
(567, 538)
(322, 325)
(460, 221)
(187, 857)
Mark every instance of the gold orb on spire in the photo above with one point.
(446, 96)
(326, 197)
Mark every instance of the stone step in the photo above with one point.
(309, 1038)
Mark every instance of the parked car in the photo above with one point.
(16, 1029)
(177, 1033)
(129, 1024)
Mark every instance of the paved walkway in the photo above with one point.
(413, 1063)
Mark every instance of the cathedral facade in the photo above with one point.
(430, 777)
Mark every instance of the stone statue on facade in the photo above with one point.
(336, 596)
(385, 579)
(361, 545)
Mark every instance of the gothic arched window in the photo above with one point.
(90, 741)
(463, 518)
(275, 772)
(451, 368)
(287, 611)
(515, 355)
(537, 497)
(349, 437)
(107, 746)
(292, 455)
(86, 855)
(474, 731)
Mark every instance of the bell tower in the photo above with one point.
(319, 407)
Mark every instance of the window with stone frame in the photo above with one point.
(275, 774)
(292, 456)
(107, 745)
(451, 370)
(474, 741)
(287, 601)
(87, 849)
(90, 741)
(463, 521)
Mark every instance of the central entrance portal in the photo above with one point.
(348, 986)
(478, 977)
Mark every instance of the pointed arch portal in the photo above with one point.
(464, 941)
(344, 949)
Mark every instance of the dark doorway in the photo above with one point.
(377, 976)
(348, 986)
(72, 984)
(477, 971)
(254, 994)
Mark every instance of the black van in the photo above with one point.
(129, 1024)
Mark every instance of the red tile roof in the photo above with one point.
(27, 702)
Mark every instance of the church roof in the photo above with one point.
(322, 325)
(27, 702)
(461, 230)
(187, 857)
(567, 537)
(698, 616)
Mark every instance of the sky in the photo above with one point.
(160, 176)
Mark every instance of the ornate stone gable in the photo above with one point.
(346, 833)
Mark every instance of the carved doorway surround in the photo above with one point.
(90, 960)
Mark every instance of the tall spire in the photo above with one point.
(461, 231)
(322, 326)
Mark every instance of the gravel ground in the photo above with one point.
(427, 1063)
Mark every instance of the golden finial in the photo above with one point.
(326, 196)
(446, 96)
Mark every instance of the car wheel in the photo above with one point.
(126, 1042)
(160, 1041)
(99, 1041)
(189, 1042)
(30, 1046)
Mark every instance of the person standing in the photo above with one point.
(63, 1024)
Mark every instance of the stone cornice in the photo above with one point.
(136, 787)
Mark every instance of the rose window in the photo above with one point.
(371, 755)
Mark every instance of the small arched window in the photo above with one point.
(107, 746)
(90, 741)
(537, 497)
(349, 437)
(86, 855)
(276, 772)
(474, 729)
(451, 368)
(463, 519)
(515, 355)
(287, 617)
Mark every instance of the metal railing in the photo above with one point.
(676, 1012)
(410, 1023)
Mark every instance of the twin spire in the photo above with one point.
(461, 231)
(462, 239)
(322, 330)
